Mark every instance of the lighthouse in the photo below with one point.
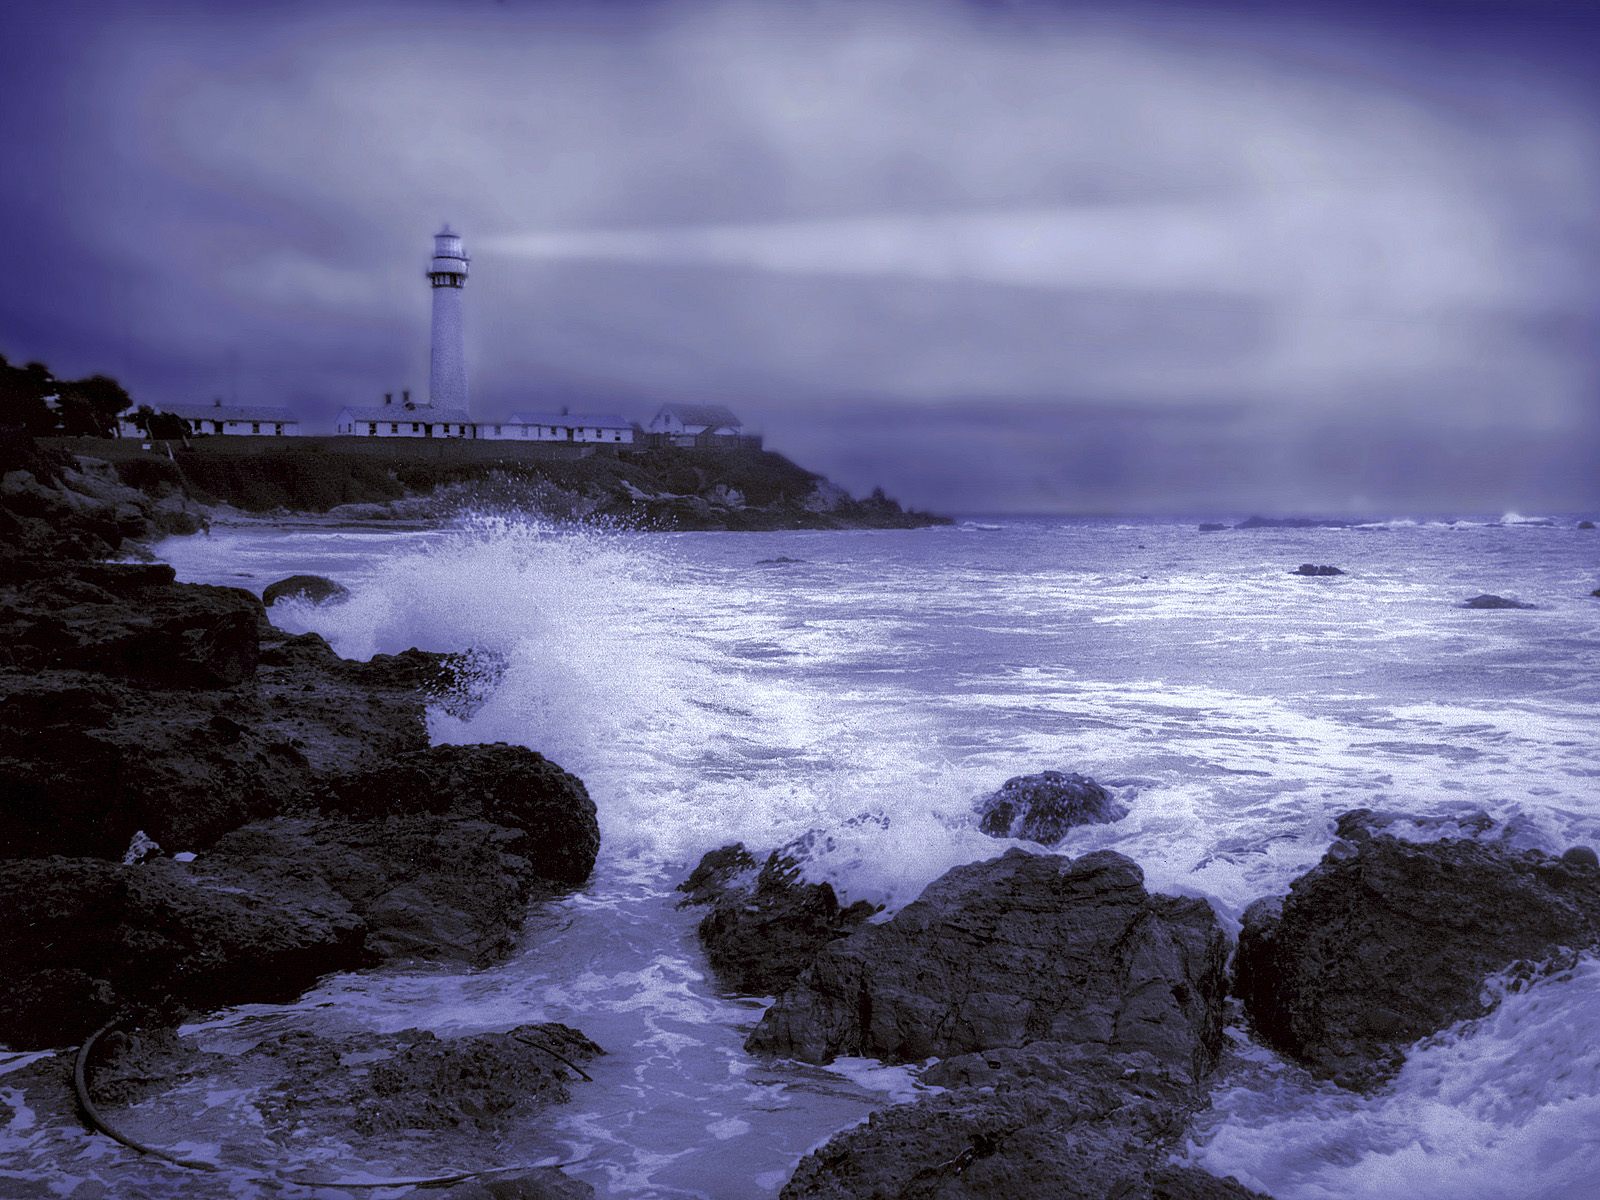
(447, 275)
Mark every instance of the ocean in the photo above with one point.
(853, 693)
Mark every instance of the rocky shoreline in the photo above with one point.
(202, 811)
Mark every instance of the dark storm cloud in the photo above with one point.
(1002, 256)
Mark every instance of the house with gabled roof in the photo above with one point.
(689, 424)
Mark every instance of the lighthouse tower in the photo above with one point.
(447, 274)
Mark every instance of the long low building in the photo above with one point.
(560, 427)
(226, 419)
(404, 420)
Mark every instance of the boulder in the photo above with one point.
(1022, 948)
(1040, 1121)
(765, 924)
(1314, 569)
(1387, 941)
(1041, 808)
(1585, 524)
(1488, 600)
(317, 589)
(1212, 526)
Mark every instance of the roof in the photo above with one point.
(596, 420)
(229, 412)
(702, 414)
(419, 413)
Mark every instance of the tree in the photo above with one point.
(90, 407)
(163, 425)
(23, 391)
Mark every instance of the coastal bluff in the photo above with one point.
(659, 488)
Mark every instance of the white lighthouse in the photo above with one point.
(447, 274)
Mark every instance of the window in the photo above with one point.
(497, 431)
(277, 429)
(416, 427)
(393, 428)
(372, 429)
(255, 426)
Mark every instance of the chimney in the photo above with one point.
(388, 398)
(405, 397)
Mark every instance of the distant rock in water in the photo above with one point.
(1491, 601)
(1314, 569)
(765, 925)
(1019, 949)
(316, 588)
(1292, 523)
(1585, 524)
(1387, 941)
(1041, 808)
(1211, 526)
(783, 560)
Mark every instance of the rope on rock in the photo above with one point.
(97, 1121)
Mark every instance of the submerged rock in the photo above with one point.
(1022, 948)
(1585, 524)
(1041, 808)
(1212, 526)
(1387, 941)
(1314, 569)
(1488, 600)
(765, 924)
(1039, 1121)
(318, 589)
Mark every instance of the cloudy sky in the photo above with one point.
(993, 256)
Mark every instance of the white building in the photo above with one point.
(685, 424)
(561, 427)
(227, 419)
(389, 420)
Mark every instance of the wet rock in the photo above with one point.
(1040, 1121)
(1390, 941)
(504, 785)
(317, 589)
(1212, 526)
(382, 1084)
(1585, 524)
(1581, 856)
(1487, 600)
(86, 939)
(1314, 569)
(540, 1183)
(424, 887)
(765, 925)
(1018, 949)
(1041, 808)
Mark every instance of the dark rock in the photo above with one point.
(540, 1183)
(1042, 807)
(1018, 949)
(1491, 601)
(1040, 1121)
(1585, 524)
(128, 622)
(504, 785)
(1581, 856)
(1212, 526)
(765, 926)
(85, 939)
(1390, 941)
(1314, 569)
(318, 589)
